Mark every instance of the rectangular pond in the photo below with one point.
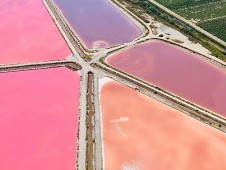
(98, 23)
(39, 119)
(176, 70)
(140, 133)
(28, 33)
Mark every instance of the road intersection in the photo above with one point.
(85, 61)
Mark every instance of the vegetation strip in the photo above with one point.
(138, 6)
(201, 11)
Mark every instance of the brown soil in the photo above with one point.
(89, 125)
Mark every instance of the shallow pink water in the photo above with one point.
(140, 133)
(98, 23)
(38, 119)
(28, 33)
(177, 71)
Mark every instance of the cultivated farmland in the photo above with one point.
(208, 14)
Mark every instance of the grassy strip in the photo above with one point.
(142, 7)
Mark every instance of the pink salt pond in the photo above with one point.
(28, 33)
(98, 23)
(176, 70)
(140, 133)
(38, 119)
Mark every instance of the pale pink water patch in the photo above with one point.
(98, 23)
(39, 119)
(28, 33)
(140, 133)
(176, 70)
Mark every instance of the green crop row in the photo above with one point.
(209, 14)
(177, 4)
(141, 7)
(216, 27)
(204, 12)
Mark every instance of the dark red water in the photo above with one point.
(176, 70)
(39, 119)
(97, 23)
(140, 133)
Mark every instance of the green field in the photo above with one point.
(144, 8)
(216, 27)
(208, 14)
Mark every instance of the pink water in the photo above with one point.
(38, 119)
(98, 23)
(140, 133)
(28, 33)
(177, 71)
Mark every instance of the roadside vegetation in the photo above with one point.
(207, 14)
(177, 4)
(217, 26)
(142, 8)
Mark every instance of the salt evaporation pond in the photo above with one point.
(141, 133)
(176, 70)
(98, 23)
(28, 33)
(38, 119)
